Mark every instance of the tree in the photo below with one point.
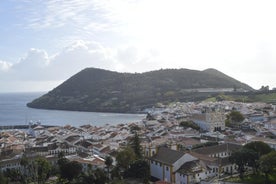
(242, 158)
(268, 164)
(260, 148)
(70, 170)
(139, 169)
(62, 162)
(43, 169)
(3, 179)
(125, 157)
(264, 88)
(190, 124)
(24, 162)
(235, 117)
(100, 177)
(108, 162)
(13, 175)
(135, 144)
(61, 154)
(227, 122)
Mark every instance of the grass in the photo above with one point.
(211, 99)
(266, 98)
(253, 179)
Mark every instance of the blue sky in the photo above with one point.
(44, 42)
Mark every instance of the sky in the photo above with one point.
(45, 42)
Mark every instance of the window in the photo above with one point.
(167, 168)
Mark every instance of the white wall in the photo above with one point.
(185, 158)
(180, 178)
(167, 173)
(156, 170)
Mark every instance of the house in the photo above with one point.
(221, 152)
(56, 148)
(210, 121)
(88, 163)
(271, 124)
(166, 162)
(193, 166)
(192, 172)
(11, 163)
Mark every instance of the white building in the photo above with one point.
(210, 121)
(166, 162)
(192, 167)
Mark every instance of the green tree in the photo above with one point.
(13, 175)
(70, 170)
(139, 169)
(242, 158)
(135, 144)
(108, 162)
(268, 164)
(190, 124)
(259, 147)
(125, 157)
(43, 169)
(24, 162)
(227, 122)
(61, 155)
(134, 128)
(235, 117)
(100, 176)
(3, 179)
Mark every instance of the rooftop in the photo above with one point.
(167, 156)
(228, 147)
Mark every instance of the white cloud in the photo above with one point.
(134, 59)
(52, 14)
(78, 56)
(5, 66)
(31, 67)
(37, 66)
(235, 37)
(39, 69)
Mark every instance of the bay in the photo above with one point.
(13, 111)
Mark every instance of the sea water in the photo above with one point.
(13, 111)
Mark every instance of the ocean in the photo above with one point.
(13, 111)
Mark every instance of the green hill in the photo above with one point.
(107, 91)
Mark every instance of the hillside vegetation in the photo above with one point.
(251, 96)
(100, 90)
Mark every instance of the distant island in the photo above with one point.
(99, 90)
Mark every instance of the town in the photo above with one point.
(181, 143)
